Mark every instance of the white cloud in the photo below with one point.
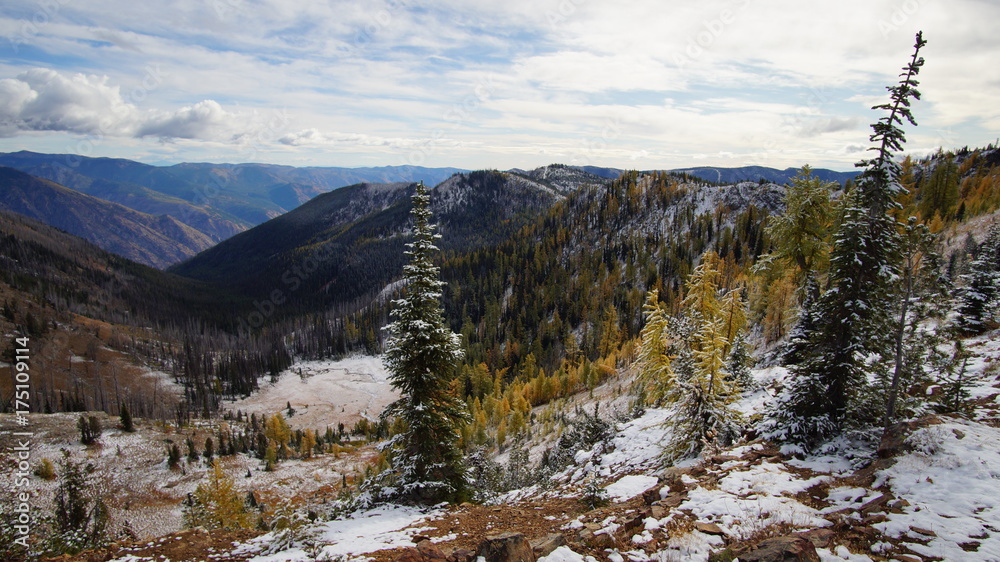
(774, 80)
(46, 100)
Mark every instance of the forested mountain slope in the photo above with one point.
(349, 243)
(158, 241)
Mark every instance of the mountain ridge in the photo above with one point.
(721, 175)
(158, 241)
(356, 235)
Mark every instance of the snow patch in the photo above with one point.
(631, 486)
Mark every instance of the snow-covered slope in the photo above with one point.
(935, 498)
(324, 393)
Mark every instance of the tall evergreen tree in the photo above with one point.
(939, 192)
(830, 390)
(919, 289)
(801, 234)
(977, 298)
(422, 355)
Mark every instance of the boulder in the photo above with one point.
(509, 547)
(462, 555)
(430, 551)
(821, 538)
(709, 529)
(548, 545)
(783, 549)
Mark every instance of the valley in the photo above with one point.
(258, 366)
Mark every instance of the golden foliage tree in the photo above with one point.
(216, 504)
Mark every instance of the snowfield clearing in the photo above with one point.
(324, 393)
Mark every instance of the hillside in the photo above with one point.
(157, 241)
(103, 329)
(217, 199)
(546, 285)
(140, 187)
(348, 244)
(605, 245)
(926, 492)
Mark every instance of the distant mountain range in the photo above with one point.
(727, 176)
(162, 215)
(154, 240)
(193, 205)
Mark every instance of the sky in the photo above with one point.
(635, 84)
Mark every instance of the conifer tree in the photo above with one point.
(919, 290)
(830, 390)
(216, 504)
(798, 344)
(739, 364)
(653, 359)
(801, 234)
(977, 298)
(422, 355)
(939, 194)
(126, 418)
(81, 518)
(695, 382)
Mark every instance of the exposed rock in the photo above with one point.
(868, 532)
(709, 528)
(509, 547)
(547, 545)
(462, 555)
(922, 531)
(877, 504)
(635, 523)
(821, 538)
(899, 505)
(783, 549)
(651, 495)
(673, 500)
(601, 541)
(672, 478)
(425, 551)
(721, 459)
(874, 519)
(409, 555)
(430, 551)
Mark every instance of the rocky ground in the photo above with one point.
(929, 491)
